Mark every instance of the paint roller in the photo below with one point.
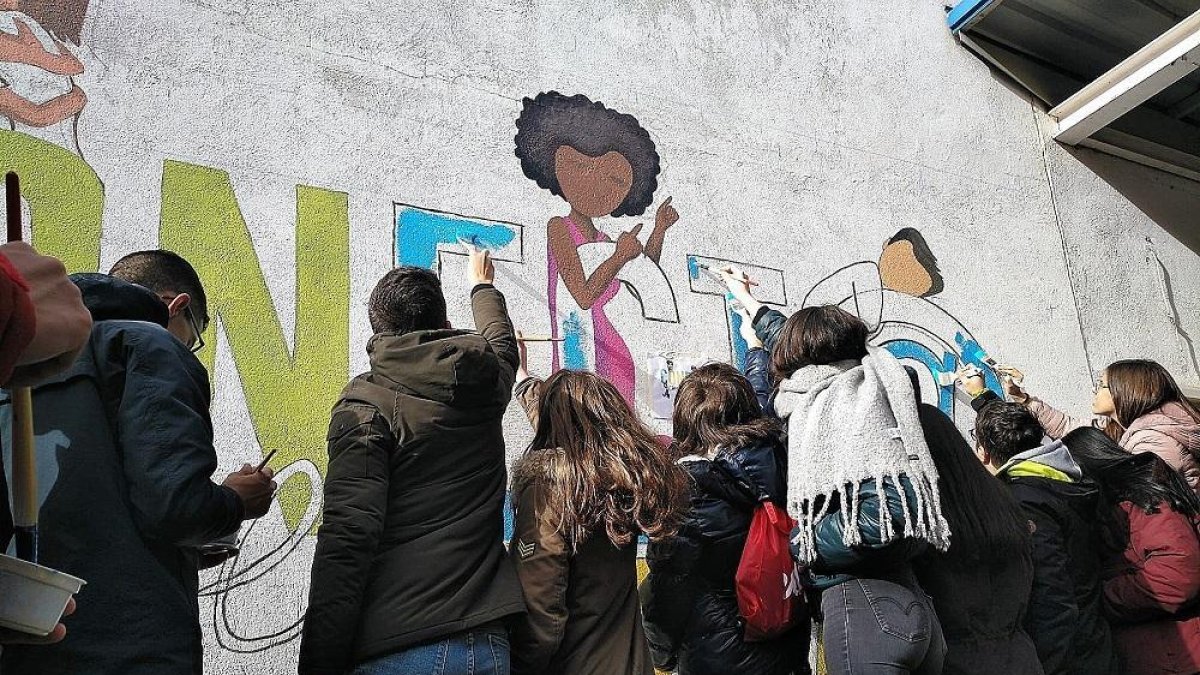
(24, 466)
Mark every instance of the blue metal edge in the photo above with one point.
(966, 13)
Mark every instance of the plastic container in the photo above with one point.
(32, 597)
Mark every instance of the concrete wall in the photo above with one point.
(281, 146)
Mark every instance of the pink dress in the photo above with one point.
(612, 359)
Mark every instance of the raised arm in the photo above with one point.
(664, 218)
(491, 313)
(757, 362)
(587, 289)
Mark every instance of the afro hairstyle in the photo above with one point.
(551, 120)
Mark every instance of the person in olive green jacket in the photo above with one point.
(410, 568)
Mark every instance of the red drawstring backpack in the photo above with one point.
(768, 580)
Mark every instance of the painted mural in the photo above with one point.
(603, 164)
(38, 92)
(607, 277)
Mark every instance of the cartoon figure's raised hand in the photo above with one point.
(24, 47)
(628, 245)
(666, 215)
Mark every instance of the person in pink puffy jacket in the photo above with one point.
(1139, 405)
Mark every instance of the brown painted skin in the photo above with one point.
(594, 187)
(902, 272)
(24, 47)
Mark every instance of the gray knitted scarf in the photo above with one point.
(851, 423)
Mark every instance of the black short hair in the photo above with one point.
(551, 120)
(924, 255)
(1007, 429)
(407, 299)
(164, 272)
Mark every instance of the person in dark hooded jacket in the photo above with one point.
(124, 468)
(1065, 618)
(736, 459)
(410, 567)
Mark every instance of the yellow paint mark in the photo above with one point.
(289, 392)
(65, 196)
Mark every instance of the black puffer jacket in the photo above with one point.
(689, 601)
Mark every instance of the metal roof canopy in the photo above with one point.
(1120, 76)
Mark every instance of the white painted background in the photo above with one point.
(798, 135)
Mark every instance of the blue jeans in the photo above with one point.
(480, 651)
(877, 627)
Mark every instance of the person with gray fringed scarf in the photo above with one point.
(861, 483)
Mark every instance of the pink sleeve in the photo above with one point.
(1155, 441)
(1056, 422)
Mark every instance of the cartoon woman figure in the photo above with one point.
(603, 163)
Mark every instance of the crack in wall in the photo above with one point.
(1167, 289)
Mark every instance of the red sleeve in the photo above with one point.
(17, 318)
(1164, 566)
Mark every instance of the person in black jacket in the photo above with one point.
(980, 586)
(1064, 618)
(410, 568)
(124, 466)
(736, 459)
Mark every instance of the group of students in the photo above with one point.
(1044, 545)
(919, 553)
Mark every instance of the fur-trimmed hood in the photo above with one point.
(533, 466)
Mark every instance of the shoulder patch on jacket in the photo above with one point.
(525, 549)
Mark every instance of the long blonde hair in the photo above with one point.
(609, 473)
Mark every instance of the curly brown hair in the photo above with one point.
(610, 473)
(715, 408)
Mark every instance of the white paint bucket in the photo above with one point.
(32, 597)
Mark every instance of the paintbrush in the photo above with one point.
(716, 274)
(24, 461)
(263, 464)
(539, 338)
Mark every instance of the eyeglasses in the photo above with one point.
(191, 319)
(1099, 382)
(196, 330)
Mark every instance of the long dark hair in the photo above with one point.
(1139, 386)
(1143, 479)
(715, 407)
(818, 336)
(987, 525)
(611, 474)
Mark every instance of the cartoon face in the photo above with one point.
(902, 272)
(595, 186)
